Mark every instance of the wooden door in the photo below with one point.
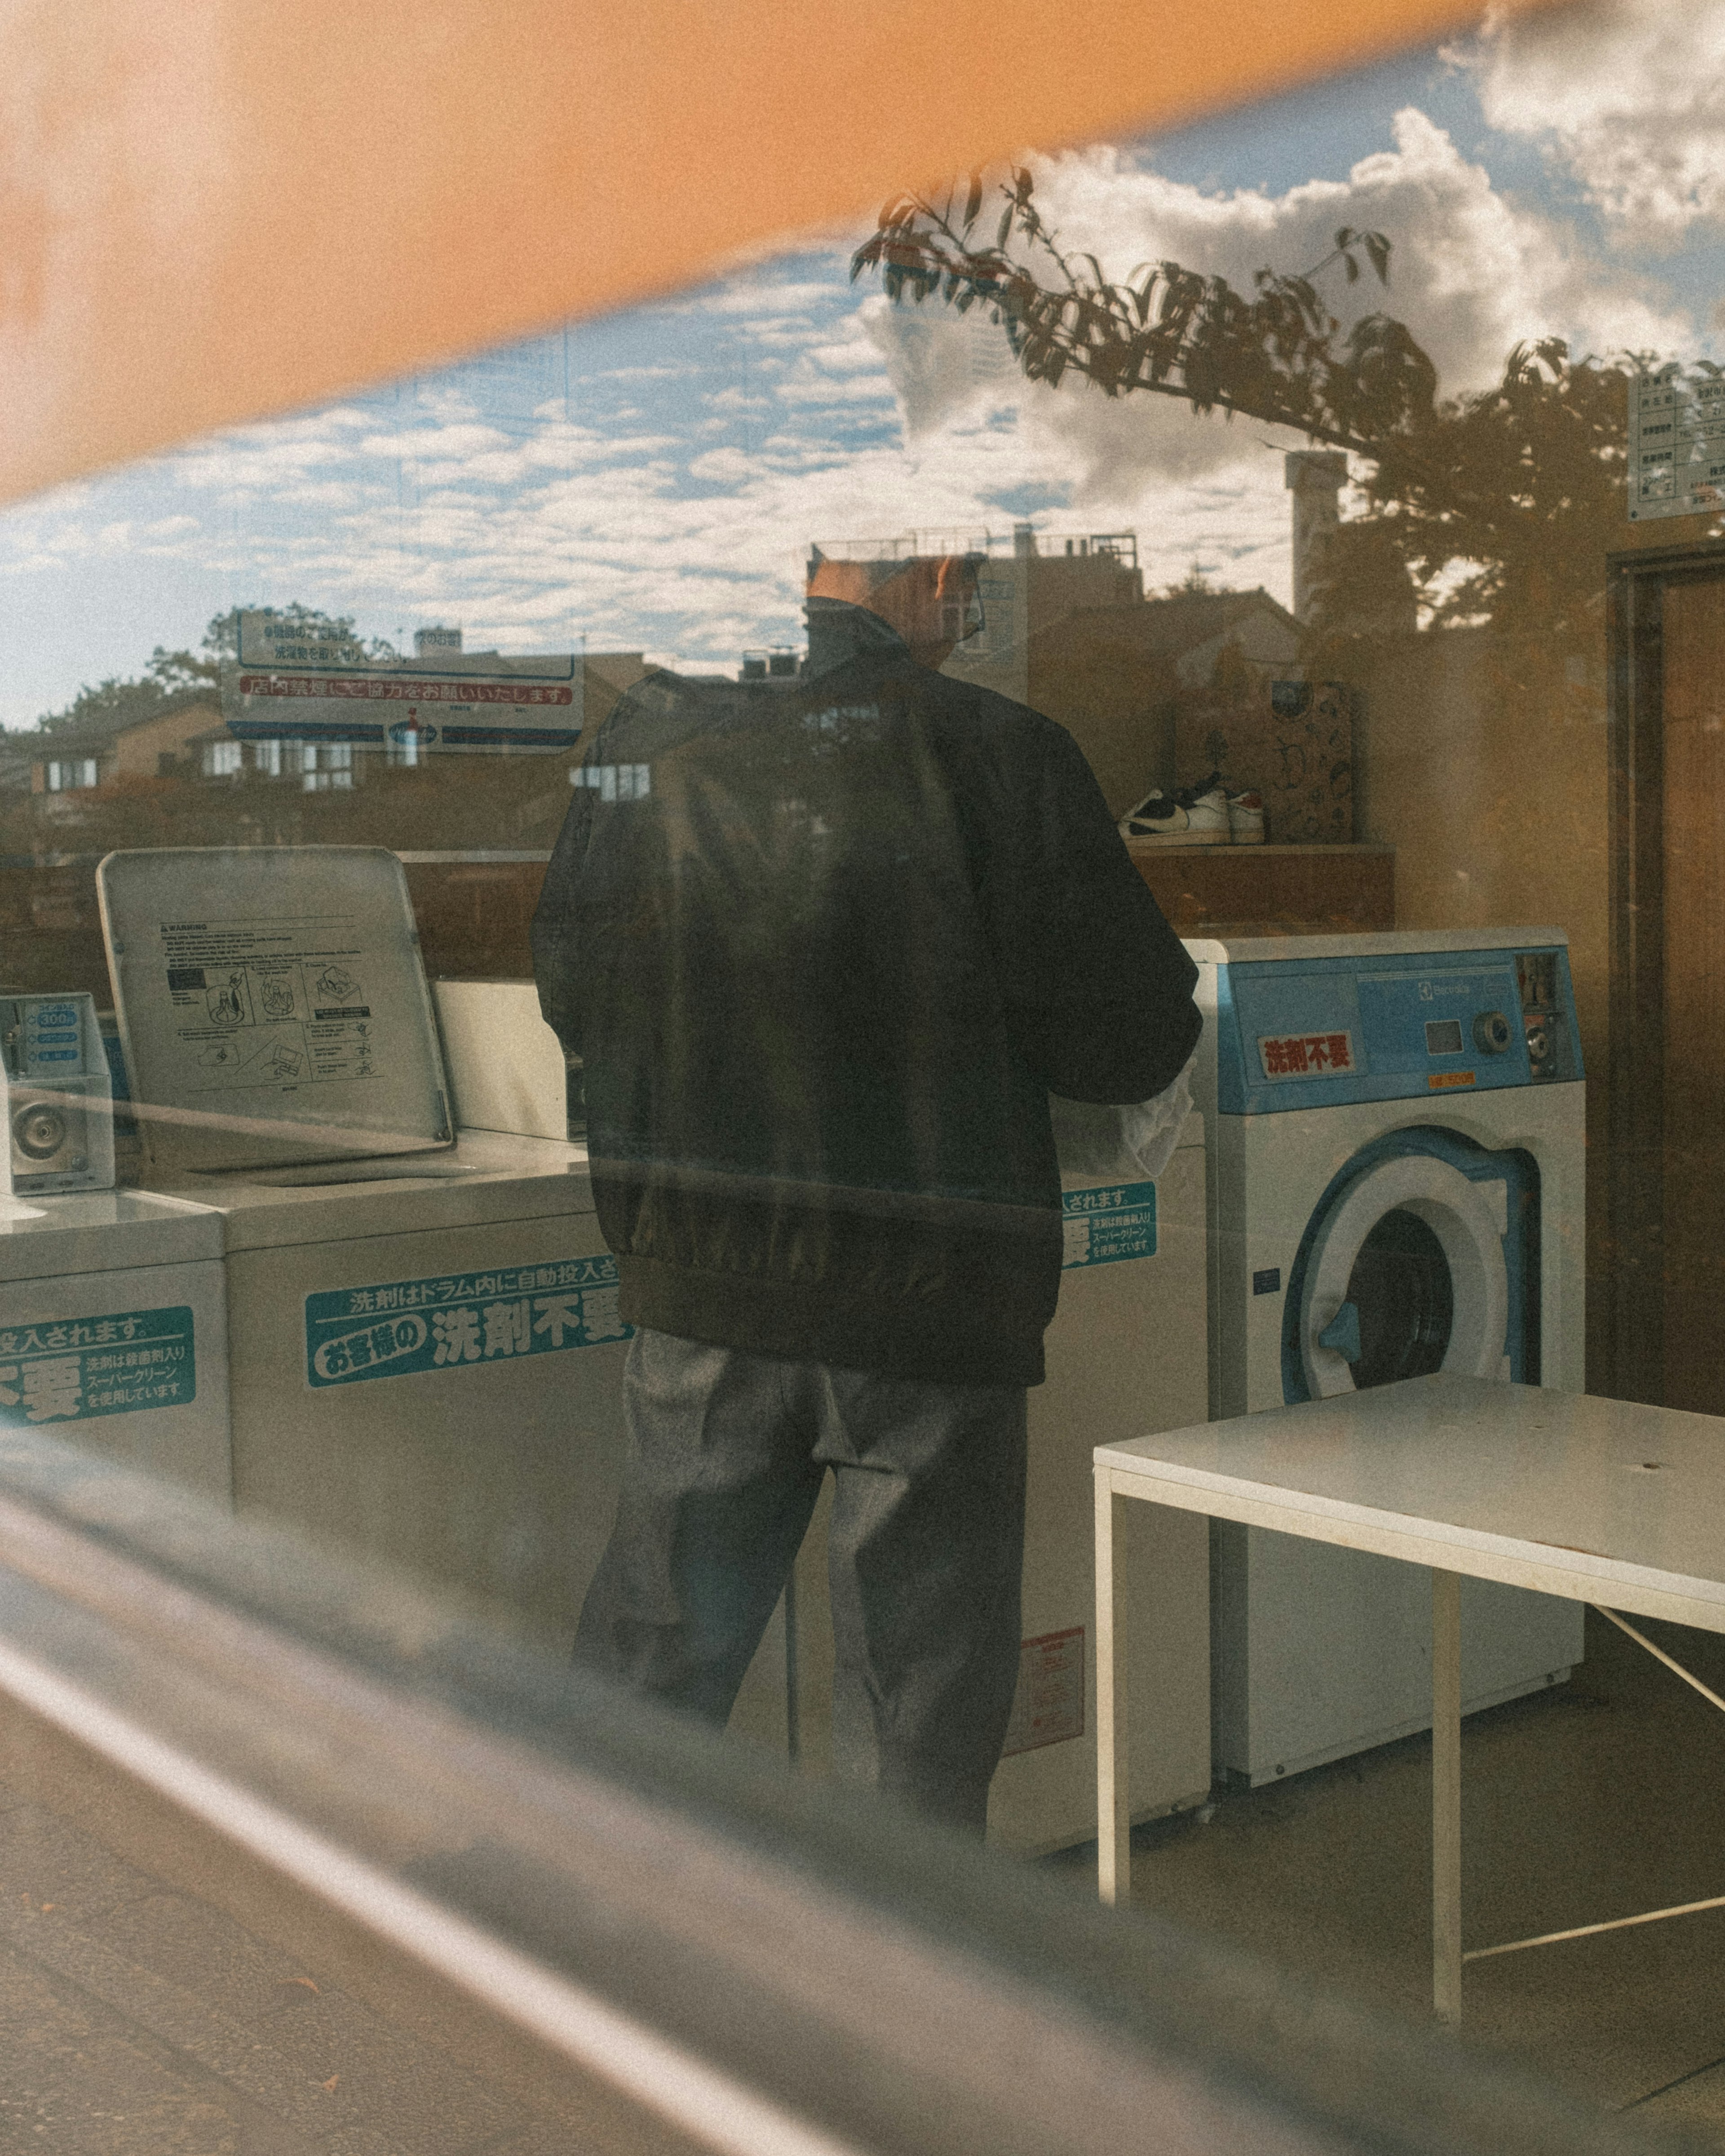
(1667, 1103)
(1693, 1166)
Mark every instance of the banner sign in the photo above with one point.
(295, 681)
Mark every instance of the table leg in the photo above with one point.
(1446, 1795)
(1114, 1819)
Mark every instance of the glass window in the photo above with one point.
(1342, 479)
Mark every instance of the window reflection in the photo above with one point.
(1289, 460)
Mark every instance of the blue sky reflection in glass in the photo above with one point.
(651, 481)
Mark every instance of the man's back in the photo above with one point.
(824, 951)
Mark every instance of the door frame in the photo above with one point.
(1635, 612)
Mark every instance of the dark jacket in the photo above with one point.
(825, 949)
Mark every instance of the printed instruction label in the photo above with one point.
(1048, 1707)
(1108, 1224)
(281, 1002)
(399, 1328)
(72, 1370)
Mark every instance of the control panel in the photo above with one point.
(58, 1096)
(1317, 1032)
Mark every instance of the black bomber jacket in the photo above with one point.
(825, 949)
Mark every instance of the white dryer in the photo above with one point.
(1396, 1173)
(1125, 1356)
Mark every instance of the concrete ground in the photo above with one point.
(159, 1997)
(1601, 1798)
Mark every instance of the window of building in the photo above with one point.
(67, 774)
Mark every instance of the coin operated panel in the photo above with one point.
(59, 1103)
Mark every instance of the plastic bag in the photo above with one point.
(1131, 1144)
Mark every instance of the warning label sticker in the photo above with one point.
(1048, 1707)
(72, 1370)
(400, 1328)
(1108, 1224)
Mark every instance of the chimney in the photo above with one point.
(1023, 540)
(1315, 478)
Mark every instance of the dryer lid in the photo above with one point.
(272, 1005)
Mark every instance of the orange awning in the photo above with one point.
(214, 209)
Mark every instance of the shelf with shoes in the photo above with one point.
(1270, 890)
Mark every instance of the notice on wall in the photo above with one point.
(454, 1321)
(72, 1370)
(280, 1003)
(1676, 445)
(1108, 1224)
(1048, 1707)
(299, 681)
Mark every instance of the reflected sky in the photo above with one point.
(650, 481)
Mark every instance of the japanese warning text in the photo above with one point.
(400, 1328)
(71, 1369)
(1108, 1224)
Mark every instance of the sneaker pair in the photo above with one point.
(1206, 814)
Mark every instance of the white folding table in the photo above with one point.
(1619, 1505)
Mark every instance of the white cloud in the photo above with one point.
(1630, 97)
(1472, 273)
(784, 406)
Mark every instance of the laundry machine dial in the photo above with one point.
(1491, 1033)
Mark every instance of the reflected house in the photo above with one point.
(77, 760)
(1118, 677)
(1069, 630)
(189, 742)
(475, 830)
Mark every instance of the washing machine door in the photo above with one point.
(1406, 1275)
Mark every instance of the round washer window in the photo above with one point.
(1401, 1285)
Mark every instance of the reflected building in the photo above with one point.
(1068, 629)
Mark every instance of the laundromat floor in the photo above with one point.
(140, 2016)
(168, 1999)
(1601, 1798)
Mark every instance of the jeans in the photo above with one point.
(727, 1451)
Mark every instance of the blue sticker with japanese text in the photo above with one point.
(72, 1370)
(452, 1321)
(1108, 1224)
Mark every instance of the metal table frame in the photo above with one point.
(1452, 1547)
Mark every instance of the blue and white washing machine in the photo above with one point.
(1395, 1187)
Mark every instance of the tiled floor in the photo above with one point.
(138, 2017)
(1597, 1799)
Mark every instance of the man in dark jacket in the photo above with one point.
(824, 950)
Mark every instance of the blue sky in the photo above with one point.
(652, 480)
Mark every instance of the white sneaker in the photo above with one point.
(1195, 816)
(1245, 818)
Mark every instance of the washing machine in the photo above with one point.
(1126, 1356)
(425, 1349)
(113, 1331)
(1396, 1173)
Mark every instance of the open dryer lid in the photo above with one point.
(273, 1005)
